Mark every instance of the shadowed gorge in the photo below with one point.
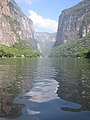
(45, 41)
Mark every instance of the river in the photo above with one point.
(44, 89)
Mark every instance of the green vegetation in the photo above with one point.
(22, 40)
(17, 50)
(78, 47)
(78, 9)
(21, 45)
(78, 17)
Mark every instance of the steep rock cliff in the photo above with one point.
(45, 42)
(15, 27)
(74, 22)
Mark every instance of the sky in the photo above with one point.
(45, 13)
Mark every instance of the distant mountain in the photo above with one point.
(16, 30)
(74, 25)
(45, 42)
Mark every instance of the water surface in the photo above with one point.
(44, 89)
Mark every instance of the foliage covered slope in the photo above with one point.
(18, 50)
(78, 47)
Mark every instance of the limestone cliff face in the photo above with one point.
(14, 25)
(74, 22)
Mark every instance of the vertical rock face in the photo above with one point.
(14, 25)
(74, 22)
(4, 7)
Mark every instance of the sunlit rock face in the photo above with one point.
(14, 25)
(4, 7)
(74, 22)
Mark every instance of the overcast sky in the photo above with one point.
(45, 13)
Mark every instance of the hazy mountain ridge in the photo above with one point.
(45, 41)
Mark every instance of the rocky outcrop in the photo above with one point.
(14, 25)
(45, 42)
(74, 22)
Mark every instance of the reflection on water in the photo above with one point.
(44, 89)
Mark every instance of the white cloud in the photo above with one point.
(41, 22)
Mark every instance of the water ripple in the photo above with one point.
(43, 90)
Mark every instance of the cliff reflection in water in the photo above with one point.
(74, 83)
(15, 78)
(44, 89)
